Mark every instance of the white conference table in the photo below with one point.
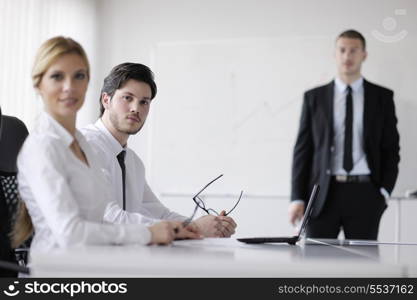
(227, 257)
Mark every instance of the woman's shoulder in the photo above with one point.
(42, 140)
(41, 145)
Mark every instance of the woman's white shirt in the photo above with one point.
(67, 199)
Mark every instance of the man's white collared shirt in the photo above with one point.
(139, 196)
(360, 164)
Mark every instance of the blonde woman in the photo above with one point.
(60, 178)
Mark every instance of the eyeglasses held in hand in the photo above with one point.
(200, 203)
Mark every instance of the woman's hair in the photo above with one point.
(47, 54)
(23, 227)
(50, 51)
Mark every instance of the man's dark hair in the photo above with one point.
(120, 74)
(353, 34)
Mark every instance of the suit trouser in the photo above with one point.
(355, 207)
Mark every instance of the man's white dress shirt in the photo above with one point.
(69, 202)
(360, 165)
(139, 196)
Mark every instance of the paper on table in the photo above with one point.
(368, 243)
(346, 242)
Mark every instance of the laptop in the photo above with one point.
(290, 239)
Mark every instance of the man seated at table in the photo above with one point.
(125, 101)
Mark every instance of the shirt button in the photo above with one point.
(331, 149)
(328, 172)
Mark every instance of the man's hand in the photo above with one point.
(228, 225)
(162, 233)
(216, 226)
(296, 212)
(190, 231)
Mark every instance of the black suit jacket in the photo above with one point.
(312, 151)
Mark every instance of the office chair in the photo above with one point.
(13, 132)
(11, 262)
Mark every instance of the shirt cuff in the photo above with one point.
(298, 201)
(384, 193)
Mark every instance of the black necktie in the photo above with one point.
(121, 159)
(347, 154)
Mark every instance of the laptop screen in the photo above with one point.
(309, 209)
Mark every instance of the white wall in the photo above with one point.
(230, 75)
(24, 26)
(222, 65)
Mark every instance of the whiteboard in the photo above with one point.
(233, 107)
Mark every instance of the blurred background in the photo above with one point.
(230, 76)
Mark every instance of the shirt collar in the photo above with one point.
(48, 123)
(114, 144)
(341, 86)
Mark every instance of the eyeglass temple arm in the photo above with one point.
(240, 197)
(207, 185)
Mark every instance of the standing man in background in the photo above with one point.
(125, 101)
(349, 144)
